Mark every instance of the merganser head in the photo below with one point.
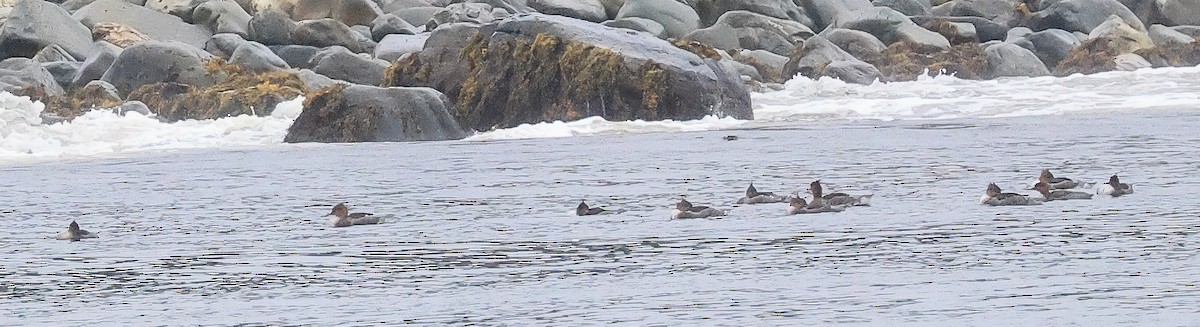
(1046, 176)
(797, 202)
(751, 191)
(1042, 187)
(582, 209)
(683, 205)
(992, 190)
(73, 228)
(815, 187)
(340, 210)
(1114, 181)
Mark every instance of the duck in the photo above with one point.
(74, 233)
(685, 209)
(584, 210)
(753, 196)
(1049, 195)
(1114, 187)
(993, 196)
(1056, 183)
(838, 198)
(797, 205)
(341, 217)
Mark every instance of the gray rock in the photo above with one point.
(858, 43)
(1006, 59)
(73, 5)
(747, 30)
(768, 65)
(826, 12)
(271, 27)
(1130, 62)
(676, 18)
(356, 12)
(391, 24)
(589, 10)
(396, 45)
(1180, 12)
(327, 32)
(1123, 38)
(985, 30)
(222, 45)
(1001, 11)
(255, 57)
(133, 106)
(820, 57)
(1189, 30)
(63, 71)
(509, 6)
(418, 16)
(103, 90)
(222, 17)
(476, 13)
(361, 113)
(94, 67)
(339, 63)
(612, 7)
(1052, 45)
(890, 26)
(639, 24)
(363, 31)
(394, 5)
(711, 10)
(156, 61)
(1162, 35)
(34, 24)
(296, 56)
(1016, 33)
(907, 7)
(314, 81)
(179, 8)
(18, 73)
(53, 52)
(1081, 15)
(158, 26)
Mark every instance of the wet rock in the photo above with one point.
(93, 95)
(1090, 57)
(339, 63)
(476, 13)
(63, 71)
(890, 26)
(639, 24)
(956, 33)
(314, 81)
(768, 65)
(223, 45)
(1130, 62)
(1193, 31)
(818, 56)
(858, 43)
(1180, 12)
(1172, 55)
(903, 61)
(747, 30)
(257, 58)
(23, 76)
(94, 67)
(589, 10)
(1081, 15)
(985, 30)
(1007, 59)
(1123, 37)
(296, 56)
(133, 106)
(391, 24)
(33, 25)
(907, 7)
(396, 45)
(512, 72)
(155, 61)
(327, 32)
(157, 25)
(53, 52)
(418, 16)
(234, 92)
(676, 18)
(118, 34)
(360, 113)
(826, 12)
(179, 8)
(1001, 11)
(1162, 35)
(271, 27)
(711, 10)
(222, 17)
(1052, 45)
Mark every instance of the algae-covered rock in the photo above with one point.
(154, 61)
(536, 68)
(237, 92)
(23, 76)
(819, 57)
(362, 113)
(906, 61)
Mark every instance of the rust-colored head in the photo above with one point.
(1042, 187)
(797, 202)
(1045, 176)
(340, 210)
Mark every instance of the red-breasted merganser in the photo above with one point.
(838, 198)
(584, 210)
(1056, 183)
(753, 196)
(994, 197)
(1049, 195)
(73, 233)
(685, 209)
(341, 217)
(1114, 187)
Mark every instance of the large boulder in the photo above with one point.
(361, 113)
(1007, 59)
(396, 45)
(768, 65)
(296, 56)
(23, 76)
(339, 63)
(222, 17)
(476, 13)
(639, 24)
(902, 61)
(418, 16)
(711, 10)
(157, 25)
(1001, 11)
(985, 30)
(34, 24)
(747, 30)
(1162, 35)
(95, 66)
(890, 26)
(327, 32)
(234, 91)
(1052, 45)
(1121, 36)
(612, 7)
(1081, 15)
(536, 68)
(257, 58)
(391, 24)
(180, 8)
(63, 71)
(678, 19)
(1180, 12)
(118, 34)
(907, 7)
(271, 27)
(825, 12)
(222, 45)
(858, 43)
(819, 57)
(53, 52)
(589, 10)
(394, 5)
(355, 12)
(155, 61)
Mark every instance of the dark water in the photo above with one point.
(483, 232)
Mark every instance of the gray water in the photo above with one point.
(483, 232)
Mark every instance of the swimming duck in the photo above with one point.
(797, 205)
(838, 198)
(1114, 187)
(753, 196)
(1056, 183)
(994, 197)
(341, 217)
(1048, 195)
(584, 210)
(73, 233)
(685, 209)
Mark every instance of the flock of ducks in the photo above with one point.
(1051, 189)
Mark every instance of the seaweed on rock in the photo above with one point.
(904, 61)
(237, 92)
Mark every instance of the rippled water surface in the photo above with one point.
(483, 232)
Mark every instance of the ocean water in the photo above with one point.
(216, 223)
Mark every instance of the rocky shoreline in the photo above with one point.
(413, 70)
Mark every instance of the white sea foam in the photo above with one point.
(22, 133)
(599, 126)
